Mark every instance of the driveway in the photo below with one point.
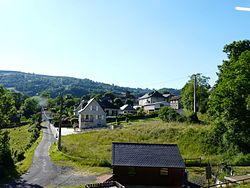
(43, 172)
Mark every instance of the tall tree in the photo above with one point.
(229, 101)
(30, 107)
(202, 88)
(7, 107)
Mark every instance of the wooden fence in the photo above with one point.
(105, 185)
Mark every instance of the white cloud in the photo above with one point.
(242, 8)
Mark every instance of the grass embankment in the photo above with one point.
(22, 147)
(94, 148)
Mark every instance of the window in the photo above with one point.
(96, 108)
(91, 108)
(131, 171)
(87, 117)
(164, 171)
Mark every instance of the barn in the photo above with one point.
(147, 164)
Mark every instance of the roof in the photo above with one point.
(146, 155)
(106, 104)
(152, 94)
(127, 107)
(175, 98)
(85, 106)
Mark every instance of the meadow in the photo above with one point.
(94, 148)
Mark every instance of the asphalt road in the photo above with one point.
(43, 172)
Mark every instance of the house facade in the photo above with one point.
(150, 98)
(175, 102)
(110, 109)
(147, 164)
(152, 101)
(91, 115)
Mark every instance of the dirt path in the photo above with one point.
(43, 172)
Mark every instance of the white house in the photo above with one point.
(91, 115)
(152, 101)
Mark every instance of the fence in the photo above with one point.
(229, 183)
(105, 185)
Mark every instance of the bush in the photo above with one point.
(169, 114)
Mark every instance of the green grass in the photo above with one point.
(20, 144)
(19, 138)
(25, 164)
(93, 149)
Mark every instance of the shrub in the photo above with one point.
(168, 114)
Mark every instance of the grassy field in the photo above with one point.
(22, 149)
(25, 164)
(94, 148)
(91, 151)
(19, 138)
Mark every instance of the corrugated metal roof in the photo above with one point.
(146, 155)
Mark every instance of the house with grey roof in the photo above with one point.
(152, 101)
(91, 114)
(127, 108)
(110, 109)
(147, 164)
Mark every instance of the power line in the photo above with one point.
(179, 78)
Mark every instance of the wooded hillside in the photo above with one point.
(35, 84)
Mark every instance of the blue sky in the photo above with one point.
(134, 43)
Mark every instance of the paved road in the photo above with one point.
(43, 172)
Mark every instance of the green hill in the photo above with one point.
(35, 84)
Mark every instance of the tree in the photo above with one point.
(229, 101)
(168, 114)
(5, 153)
(202, 94)
(7, 107)
(118, 102)
(129, 101)
(30, 107)
(109, 95)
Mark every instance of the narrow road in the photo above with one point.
(43, 172)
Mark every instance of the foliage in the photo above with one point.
(34, 84)
(30, 107)
(168, 114)
(25, 164)
(129, 101)
(187, 93)
(7, 107)
(6, 162)
(118, 102)
(229, 101)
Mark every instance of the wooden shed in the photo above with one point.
(147, 164)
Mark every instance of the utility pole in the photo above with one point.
(195, 111)
(60, 124)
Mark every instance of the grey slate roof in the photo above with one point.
(152, 94)
(146, 155)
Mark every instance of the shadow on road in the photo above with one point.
(21, 183)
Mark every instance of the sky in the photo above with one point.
(131, 43)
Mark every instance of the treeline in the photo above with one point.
(16, 110)
(226, 105)
(34, 84)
